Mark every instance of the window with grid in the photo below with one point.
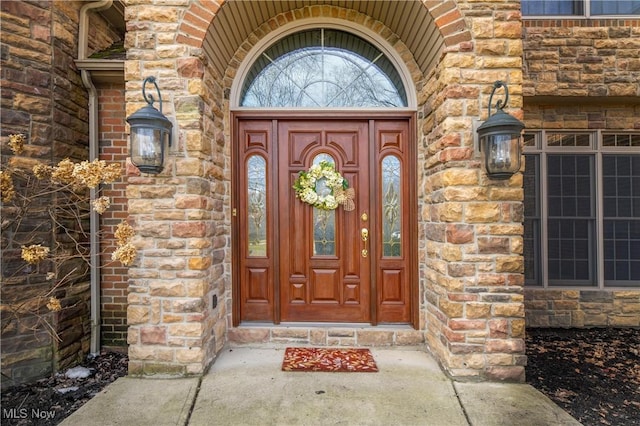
(582, 209)
(580, 7)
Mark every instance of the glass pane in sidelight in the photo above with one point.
(257, 206)
(391, 202)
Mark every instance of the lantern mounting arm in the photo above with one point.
(499, 105)
(149, 98)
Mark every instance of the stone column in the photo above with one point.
(176, 286)
(472, 225)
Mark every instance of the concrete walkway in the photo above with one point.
(246, 386)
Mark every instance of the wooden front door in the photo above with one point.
(298, 263)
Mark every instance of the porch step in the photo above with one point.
(326, 335)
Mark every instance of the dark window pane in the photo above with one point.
(584, 186)
(608, 165)
(609, 270)
(529, 139)
(570, 251)
(530, 181)
(623, 165)
(622, 271)
(583, 163)
(584, 207)
(615, 7)
(621, 250)
(609, 186)
(621, 229)
(569, 207)
(532, 235)
(624, 207)
(532, 252)
(568, 183)
(568, 165)
(634, 270)
(583, 140)
(552, 7)
(582, 270)
(609, 207)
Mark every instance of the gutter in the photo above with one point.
(94, 224)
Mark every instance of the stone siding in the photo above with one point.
(326, 336)
(582, 308)
(582, 58)
(471, 294)
(470, 232)
(582, 75)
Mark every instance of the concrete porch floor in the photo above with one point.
(246, 386)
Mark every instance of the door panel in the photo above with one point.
(301, 264)
(323, 276)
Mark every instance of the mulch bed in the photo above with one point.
(593, 374)
(327, 359)
(51, 400)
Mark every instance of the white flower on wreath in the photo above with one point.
(305, 186)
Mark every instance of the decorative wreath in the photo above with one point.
(324, 188)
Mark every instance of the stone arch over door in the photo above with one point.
(469, 229)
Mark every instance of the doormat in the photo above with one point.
(327, 359)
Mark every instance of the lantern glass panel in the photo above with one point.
(502, 156)
(146, 148)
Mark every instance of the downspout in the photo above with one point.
(94, 221)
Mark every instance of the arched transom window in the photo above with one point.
(323, 68)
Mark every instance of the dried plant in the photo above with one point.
(44, 221)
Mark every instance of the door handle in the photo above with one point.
(364, 234)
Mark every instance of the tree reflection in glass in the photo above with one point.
(391, 223)
(323, 68)
(256, 201)
(324, 221)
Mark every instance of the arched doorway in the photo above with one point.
(315, 95)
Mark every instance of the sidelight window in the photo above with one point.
(391, 202)
(257, 205)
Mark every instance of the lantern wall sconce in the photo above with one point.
(500, 139)
(150, 133)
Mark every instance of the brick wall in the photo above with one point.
(44, 99)
(114, 278)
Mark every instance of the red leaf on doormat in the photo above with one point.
(328, 359)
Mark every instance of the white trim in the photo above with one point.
(312, 23)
